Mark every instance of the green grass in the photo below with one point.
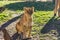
(40, 18)
(7, 14)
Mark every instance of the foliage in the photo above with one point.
(40, 6)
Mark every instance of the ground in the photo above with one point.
(45, 25)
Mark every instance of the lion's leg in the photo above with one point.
(59, 9)
(24, 34)
(29, 32)
(20, 32)
(56, 7)
(20, 37)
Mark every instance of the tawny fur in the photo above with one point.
(25, 24)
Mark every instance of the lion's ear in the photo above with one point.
(24, 8)
(33, 9)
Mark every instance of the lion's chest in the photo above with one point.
(27, 21)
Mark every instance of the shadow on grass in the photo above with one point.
(48, 26)
(53, 24)
(57, 25)
(8, 23)
(38, 5)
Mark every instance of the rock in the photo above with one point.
(1, 35)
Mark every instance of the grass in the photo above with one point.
(40, 18)
(7, 14)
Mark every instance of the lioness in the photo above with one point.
(24, 26)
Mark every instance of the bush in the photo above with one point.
(41, 6)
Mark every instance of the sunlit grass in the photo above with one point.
(40, 18)
(7, 15)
